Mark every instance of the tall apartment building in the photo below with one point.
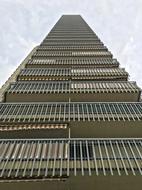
(69, 117)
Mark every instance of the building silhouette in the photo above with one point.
(69, 116)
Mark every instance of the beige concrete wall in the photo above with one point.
(79, 183)
(106, 129)
(84, 129)
(75, 97)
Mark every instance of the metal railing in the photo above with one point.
(73, 87)
(99, 62)
(73, 54)
(63, 112)
(40, 158)
(96, 47)
(96, 73)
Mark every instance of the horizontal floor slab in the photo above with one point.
(73, 96)
(77, 183)
(76, 129)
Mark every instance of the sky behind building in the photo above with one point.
(24, 23)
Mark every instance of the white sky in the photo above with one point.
(24, 24)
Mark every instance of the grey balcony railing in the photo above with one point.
(96, 62)
(76, 40)
(96, 48)
(74, 73)
(39, 158)
(73, 54)
(53, 36)
(70, 33)
(41, 112)
(73, 87)
(71, 43)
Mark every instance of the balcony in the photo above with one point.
(69, 62)
(75, 40)
(71, 43)
(60, 158)
(87, 120)
(98, 47)
(71, 54)
(70, 111)
(74, 90)
(74, 73)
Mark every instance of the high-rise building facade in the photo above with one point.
(69, 116)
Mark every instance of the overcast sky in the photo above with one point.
(24, 23)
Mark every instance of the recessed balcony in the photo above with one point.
(63, 158)
(71, 54)
(75, 91)
(98, 47)
(44, 62)
(74, 73)
(87, 120)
